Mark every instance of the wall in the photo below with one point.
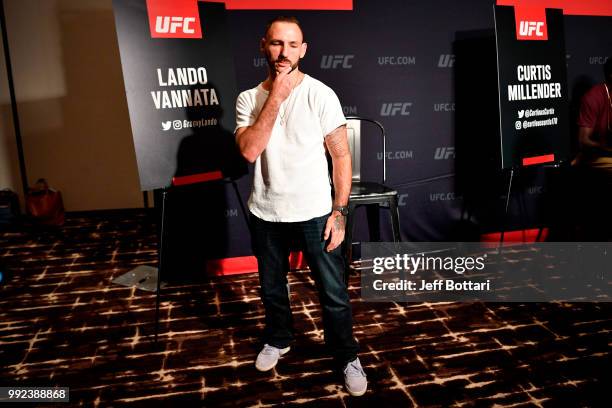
(9, 163)
(402, 53)
(76, 130)
(71, 101)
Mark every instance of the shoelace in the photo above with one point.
(269, 350)
(353, 369)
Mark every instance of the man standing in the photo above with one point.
(595, 139)
(284, 126)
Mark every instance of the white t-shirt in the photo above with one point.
(291, 180)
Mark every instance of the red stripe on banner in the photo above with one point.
(547, 158)
(515, 237)
(231, 266)
(247, 264)
(197, 178)
(570, 7)
(181, 18)
(297, 260)
(289, 4)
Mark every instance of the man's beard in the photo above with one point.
(272, 64)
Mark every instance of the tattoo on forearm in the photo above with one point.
(337, 143)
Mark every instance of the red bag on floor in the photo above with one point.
(45, 205)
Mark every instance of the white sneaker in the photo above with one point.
(268, 357)
(355, 379)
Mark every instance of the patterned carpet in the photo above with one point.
(63, 323)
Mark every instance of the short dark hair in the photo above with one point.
(284, 19)
(608, 68)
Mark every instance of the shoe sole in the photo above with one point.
(356, 394)
(282, 352)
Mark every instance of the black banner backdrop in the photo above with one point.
(180, 91)
(395, 62)
(533, 93)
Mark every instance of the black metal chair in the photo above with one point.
(367, 192)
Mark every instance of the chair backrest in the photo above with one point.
(353, 130)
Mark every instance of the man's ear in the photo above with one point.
(303, 50)
(262, 45)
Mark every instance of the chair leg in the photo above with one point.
(393, 207)
(348, 242)
(373, 215)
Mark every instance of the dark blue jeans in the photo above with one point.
(272, 242)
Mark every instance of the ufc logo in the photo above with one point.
(527, 28)
(174, 19)
(532, 30)
(335, 61)
(535, 190)
(446, 61)
(173, 24)
(444, 153)
(392, 109)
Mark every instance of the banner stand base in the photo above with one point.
(142, 277)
